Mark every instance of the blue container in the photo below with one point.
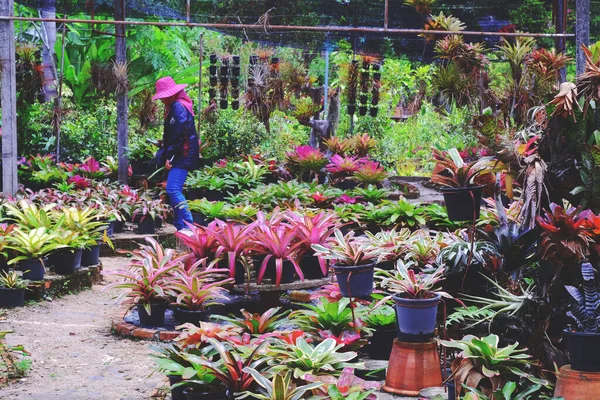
(355, 281)
(416, 318)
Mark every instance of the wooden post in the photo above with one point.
(560, 24)
(58, 100)
(582, 31)
(121, 60)
(10, 184)
(386, 14)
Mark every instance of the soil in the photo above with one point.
(73, 353)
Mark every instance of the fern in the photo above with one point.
(468, 315)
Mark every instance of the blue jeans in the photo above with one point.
(175, 182)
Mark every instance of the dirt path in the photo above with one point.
(73, 352)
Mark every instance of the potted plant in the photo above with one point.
(68, 259)
(345, 387)
(5, 232)
(416, 300)
(315, 229)
(279, 387)
(232, 243)
(201, 243)
(139, 154)
(85, 222)
(461, 194)
(306, 162)
(353, 263)
(230, 371)
(204, 211)
(146, 281)
(33, 246)
(341, 167)
(12, 289)
(146, 212)
(195, 290)
(279, 244)
(584, 339)
(370, 173)
(382, 320)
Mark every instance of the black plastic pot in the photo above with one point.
(213, 195)
(11, 298)
(213, 58)
(146, 226)
(373, 111)
(463, 204)
(253, 60)
(213, 81)
(355, 281)
(380, 344)
(235, 83)
(224, 80)
(236, 60)
(364, 76)
(376, 67)
(177, 393)
(156, 317)
(65, 261)
(345, 184)
(584, 350)
(288, 274)
(387, 265)
(119, 226)
(158, 222)
(193, 317)
(235, 105)
(199, 218)
(212, 69)
(366, 65)
(212, 93)
(375, 100)
(416, 318)
(191, 394)
(275, 60)
(140, 167)
(362, 111)
(311, 267)
(235, 94)
(451, 385)
(223, 104)
(224, 71)
(377, 76)
(364, 99)
(33, 268)
(91, 256)
(235, 70)
(3, 263)
(351, 109)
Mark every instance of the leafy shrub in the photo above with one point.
(233, 134)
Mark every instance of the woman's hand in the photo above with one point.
(168, 165)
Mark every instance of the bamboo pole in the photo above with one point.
(318, 28)
(10, 183)
(58, 100)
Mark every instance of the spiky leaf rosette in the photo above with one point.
(585, 308)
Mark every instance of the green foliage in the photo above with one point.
(468, 315)
(233, 134)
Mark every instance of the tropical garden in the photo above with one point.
(436, 214)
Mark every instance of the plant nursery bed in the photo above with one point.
(129, 239)
(57, 285)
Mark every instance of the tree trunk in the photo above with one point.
(48, 10)
(10, 184)
(121, 59)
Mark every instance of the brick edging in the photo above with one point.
(127, 330)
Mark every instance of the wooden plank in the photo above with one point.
(122, 128)
(10, 184)
(582, 31)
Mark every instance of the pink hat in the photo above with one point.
(166, 87)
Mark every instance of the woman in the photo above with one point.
(180, 142)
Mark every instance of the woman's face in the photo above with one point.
(167, 101)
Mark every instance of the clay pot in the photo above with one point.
(577, 385)
(412, 367)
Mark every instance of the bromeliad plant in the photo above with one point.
(346, 250)
(407, 283)
(345, 387)
(233, 241)
(302, 358)
(370, 172)
(305, 159)
(195, 289)
(584, 310)
(12, 280)
(33, 244)
(481, 363)
(257, 324)
(279, 387)
(341, 167)
(451, 171)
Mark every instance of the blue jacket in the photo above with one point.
(180, 139)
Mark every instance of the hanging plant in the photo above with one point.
(352, 86)
(213, 58)
(236, 60)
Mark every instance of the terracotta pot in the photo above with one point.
(412, 367)
(577, 385)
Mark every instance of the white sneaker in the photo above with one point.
(187, 232)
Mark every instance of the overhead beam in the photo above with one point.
(319, 28)
(10, 184)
